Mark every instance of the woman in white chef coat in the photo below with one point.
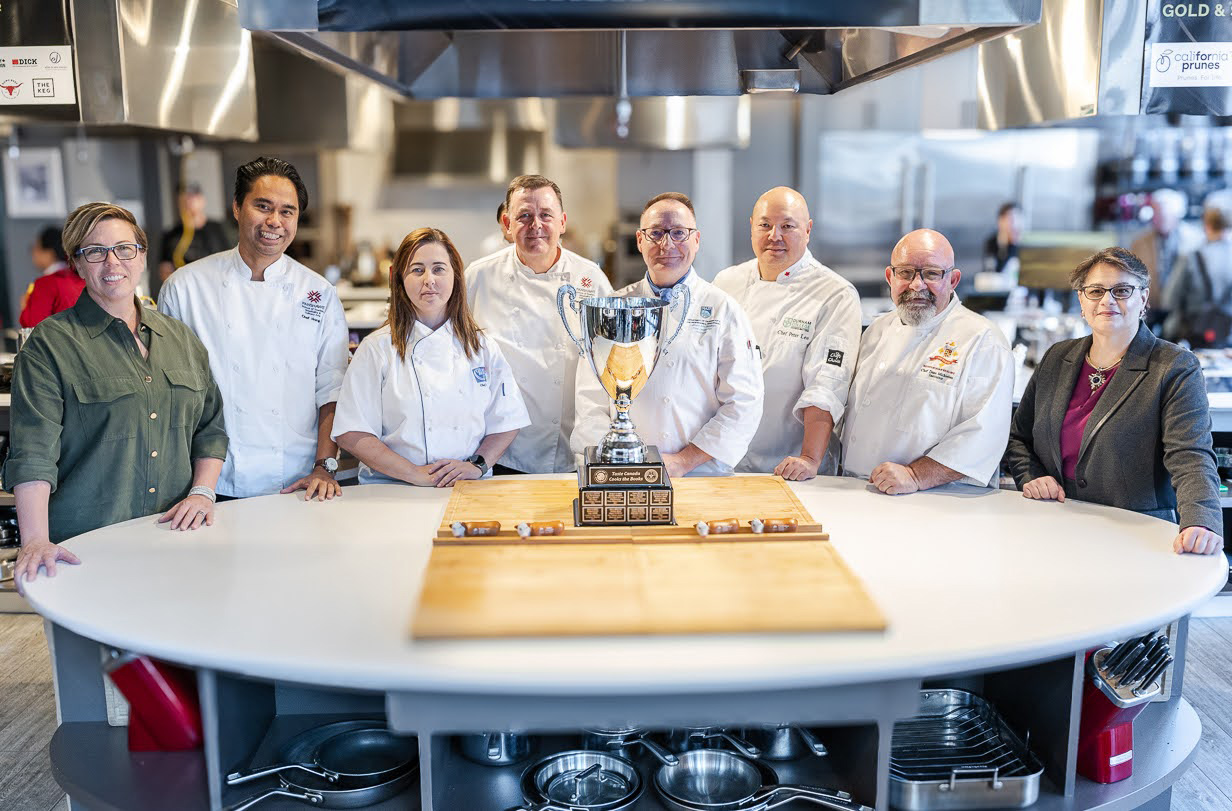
(427, 399)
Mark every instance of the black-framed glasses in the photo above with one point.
(675, 234)
(1120, 292)
(929, 273)
(97, 253)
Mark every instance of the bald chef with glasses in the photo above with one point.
(930, 400)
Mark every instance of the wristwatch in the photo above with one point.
(478, 462)
(329, 463)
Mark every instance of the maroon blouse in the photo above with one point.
(1081, 404)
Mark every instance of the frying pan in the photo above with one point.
(357, 756)
(717, 780)
(312, 790)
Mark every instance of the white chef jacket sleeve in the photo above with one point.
(332, 352)
(830, 358)
(740, 390)
(506, 410)
(169, 299)
(360, 397)
(592, 410)
(976, 442)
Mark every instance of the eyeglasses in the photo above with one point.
(1120, 292)
(929, 273)
(676, 234)
(98, 253)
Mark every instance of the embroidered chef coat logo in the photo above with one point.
(707, 312)
(586, 281)
(481, 375)
(311, 307)
(834, 357)
(939, 365)
(796, 328)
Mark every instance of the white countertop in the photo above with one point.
(323, 592)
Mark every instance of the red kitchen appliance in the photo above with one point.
(164, 715)
(1120, 682)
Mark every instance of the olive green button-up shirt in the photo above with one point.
(113, 432)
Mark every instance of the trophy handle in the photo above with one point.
(684, 311)
(570, 291)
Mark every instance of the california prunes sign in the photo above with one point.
(1188, 59)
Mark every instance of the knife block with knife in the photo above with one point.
(1121, 681)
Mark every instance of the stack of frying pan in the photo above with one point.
(348, 764)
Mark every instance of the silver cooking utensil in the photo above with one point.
(353, 757)
(785, 742)
(717, 780)
(958, 753)
(685, 739)
(495, 748)
(581, 780)
(621, 739)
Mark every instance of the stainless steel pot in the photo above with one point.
(582, 780)
(685, 739)
(620, 740)
(715, 780)
(785, 742)
(495, 748)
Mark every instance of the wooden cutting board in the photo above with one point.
(514, 500)
(626, 588)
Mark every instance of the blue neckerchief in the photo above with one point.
(661, 291)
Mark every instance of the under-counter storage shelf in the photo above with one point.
(460, 783)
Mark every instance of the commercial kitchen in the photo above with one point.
(618, 639)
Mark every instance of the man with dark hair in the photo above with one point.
(195, 236)
(277, 340)
(703, 401)
(512, 294)
(58, 286)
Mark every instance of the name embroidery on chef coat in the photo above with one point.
(311, 307)
(481, 375)
(795, 328)
(942, 364)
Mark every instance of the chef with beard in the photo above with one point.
(930, 400)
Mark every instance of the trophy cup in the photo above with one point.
(622, 480)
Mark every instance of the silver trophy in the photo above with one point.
(622, 338)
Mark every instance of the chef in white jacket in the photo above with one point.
(428, 399)
(703, 401)
(930, 402)
(807, 321)
(513, 296)
(277, 340)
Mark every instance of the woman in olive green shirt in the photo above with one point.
(115, 414)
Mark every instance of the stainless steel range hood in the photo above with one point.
(184, 66)
(561, 48)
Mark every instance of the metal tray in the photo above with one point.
(958, 753)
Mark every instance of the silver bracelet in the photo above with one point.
(202, 490)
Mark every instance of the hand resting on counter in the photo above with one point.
(36, 554)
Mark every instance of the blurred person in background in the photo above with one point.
(115, 413)
(58, 286)
(1120, 417)
(194, 237)
(1163, 248)
(494, 242)
(1001, 248)
(1199, 294)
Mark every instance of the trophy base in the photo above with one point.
(616, 495)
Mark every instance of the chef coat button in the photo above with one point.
(151, 489)
(153, 415)
(671, 363)
(228, 325)
(556, 382)
(880, 365)
(1082, 482)
(235, 367)
(867, 401)
(149, 379)
(275, 412)
(556, 422)
(153, 454)
(666, 400)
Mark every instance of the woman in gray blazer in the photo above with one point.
(1120, 418)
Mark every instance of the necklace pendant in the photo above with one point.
(1097, 379)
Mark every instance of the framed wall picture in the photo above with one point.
(34, 183)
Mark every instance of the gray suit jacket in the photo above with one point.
(1147, 444)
